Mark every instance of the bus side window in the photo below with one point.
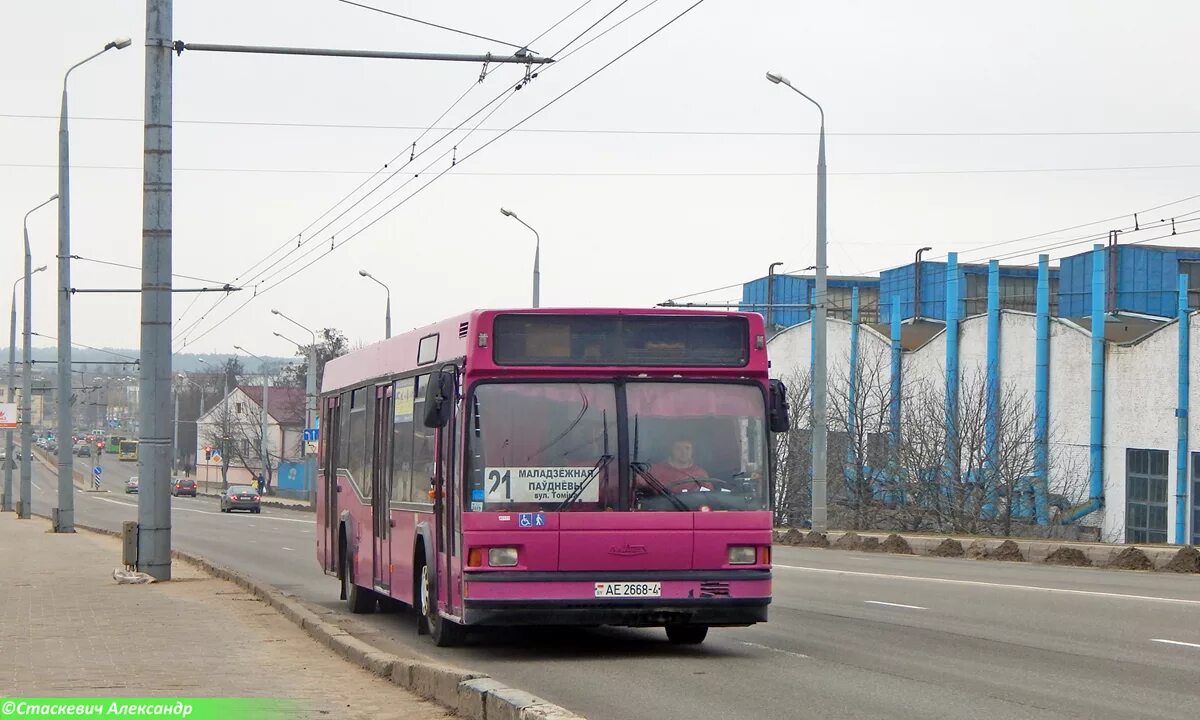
(402, 440)
(422, 457)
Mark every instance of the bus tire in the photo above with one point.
(687, 634)
(443, 632)
(359, 599)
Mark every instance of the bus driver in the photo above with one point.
(679, 472)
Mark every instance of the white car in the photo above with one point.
(132, 485)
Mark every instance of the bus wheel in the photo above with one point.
(687, 634)
(443, 632)
(360, 600)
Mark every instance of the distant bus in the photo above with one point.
(554, 467)
(128, 450)
(114, 444)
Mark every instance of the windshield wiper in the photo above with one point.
(601, 463)
(641, 468)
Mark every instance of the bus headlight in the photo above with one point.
(742, 555)
(502, 557)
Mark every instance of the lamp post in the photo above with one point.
(23, 505)
(6, 498)
(387, 318)
(819, 432)
(917, 282)
(224, 430)
(537, 255)
(771, 296)
(310, 380)
(264, 449)
(64, 514)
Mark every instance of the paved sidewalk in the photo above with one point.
(68, 629)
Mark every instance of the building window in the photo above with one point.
(1191, 268)
(1196, 498)
(1146, 496)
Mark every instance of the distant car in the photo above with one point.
(184, 486)
(83, 450)
(240, 497)
(132, 485)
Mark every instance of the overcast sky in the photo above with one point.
(925, 102)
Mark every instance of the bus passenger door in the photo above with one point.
(381, 480)
(448, 509)
(330, 432)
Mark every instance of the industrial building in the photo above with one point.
(1100, 347)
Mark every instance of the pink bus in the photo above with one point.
(554, 467)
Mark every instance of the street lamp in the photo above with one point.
(537, 254)
(820, 437)
(64, 519)
(917, 282)
(23, 505)
(310, 380)
(6, 498)
(771, 295)
(388, 315)
(264, 449)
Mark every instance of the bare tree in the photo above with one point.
(238, 435)
(793, 455)
(858, 501)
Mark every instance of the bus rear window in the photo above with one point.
(621, 340)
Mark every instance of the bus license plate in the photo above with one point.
(628, 589)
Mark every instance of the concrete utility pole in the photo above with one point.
(23, 506)
(64, 514)
(154, 387)
(387, 315)
(537, 257)
(820, 439)
(6, 504)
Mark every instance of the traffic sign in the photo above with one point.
(312, 434)
(96, 476)
(97, 471)
(114, 424)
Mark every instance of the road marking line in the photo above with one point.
(114, 502)
(1175, 642)
(898, 605)
(289, 549)
(981, 583)
(776, 650)
(205, 512)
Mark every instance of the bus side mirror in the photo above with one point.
(777, 416)
(439, 398)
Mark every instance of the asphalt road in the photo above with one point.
(851, 635)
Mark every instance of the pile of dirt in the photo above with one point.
(1131, 559)
(849, 541)
(948, 548)
(791, 537)
(1187, 560)
(1071, 556)
(871, 544)
(1006, 550)
(977, 550)
(896, 544)
(815, 539)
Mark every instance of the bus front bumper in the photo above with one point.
(714, 598)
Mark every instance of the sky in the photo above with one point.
(952, 125)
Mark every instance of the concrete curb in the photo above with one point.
(1034, 551)
(469, 694)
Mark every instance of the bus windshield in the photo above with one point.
(554, 446)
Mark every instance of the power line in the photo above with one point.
(644, 173)
(138, 267)
(430, 24)
(636, 131)
(466, 157)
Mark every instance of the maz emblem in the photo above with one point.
(627, 550)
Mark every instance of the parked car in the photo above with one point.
(240, 497)
(184, 486)
(132, 485)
